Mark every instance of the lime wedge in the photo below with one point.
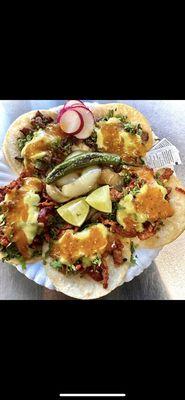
(100, 199)
(74, 212)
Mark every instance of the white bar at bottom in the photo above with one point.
(92, 394)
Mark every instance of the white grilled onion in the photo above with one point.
(84, 184)
(55, 193)
(67, 179)
(73, 185)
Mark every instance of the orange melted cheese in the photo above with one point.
(145, 173)
(42, 145)
(55, 130)
(153, 204)
(71, 246)
(16, 210)
(113, 142)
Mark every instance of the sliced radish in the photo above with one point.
(88, 119)
(71, 103)
(71, 121)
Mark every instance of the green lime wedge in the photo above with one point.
(74, 212)
(100, 199)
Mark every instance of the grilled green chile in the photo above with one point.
(81, 161)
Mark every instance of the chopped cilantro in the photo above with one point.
(56, 143)
(56, 264)
(135, 190)
(110, 114)
(23, 140)
(122, 118)
(22, 262)
(96, 261)
(70, 268)
(133, 129)
(126, 178)
(11, 252)
(2, 220)
(112, 215)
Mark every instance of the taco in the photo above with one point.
(153, 207)
(123, 130)
(87, 264)
(36, 141)
(24, 210)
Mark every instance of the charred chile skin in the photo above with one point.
(81, 161)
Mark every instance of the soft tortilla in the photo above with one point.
(100, 110)
(10, 147)
(173, 226)
(85, 287)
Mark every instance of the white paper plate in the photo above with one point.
(36, 271)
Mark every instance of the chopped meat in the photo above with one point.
(115, 247)
(47, 237)
(68, 226)
(144, 136)
(97, 216)
(105, 273)
(132, 183)
(57, 159)
(149, 231)
(91, 142)
(47, 204)
(16, 184)
(2, 194)
(96, 275)
(26, 131)
(115, 194)
(166, 174)
(79, 267)
(46, 201)
(167, 197)
(106, 222)
(181, 190)
(44, 214)
(38, 240)
(4, 241)
(117, 256)
(120, 231)
(116, 228)
(40, 120)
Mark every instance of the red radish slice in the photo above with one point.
(71, 103)
(88, 119)
(71, 121)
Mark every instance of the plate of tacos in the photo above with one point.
(80, 210)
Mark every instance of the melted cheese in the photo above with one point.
(112, 138)
(87, 243)
(153, 204)
(41, 143)
(149, 204)
(127, 215)
(21, 209)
